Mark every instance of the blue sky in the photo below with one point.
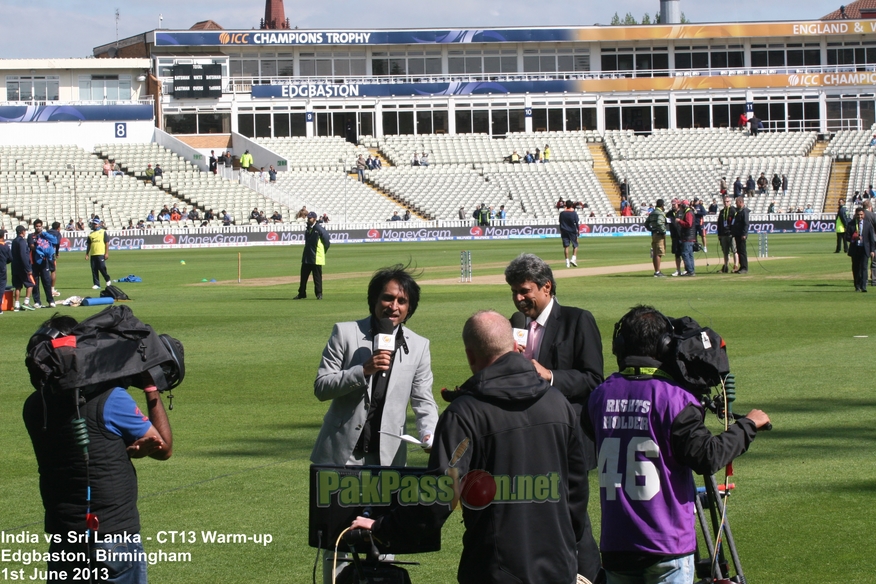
(71, 28)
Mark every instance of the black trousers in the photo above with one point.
(742, 250)
(841, 242)
(306, 270)
(42, 274)
(589, 561)
(860, 263)
(98, 266)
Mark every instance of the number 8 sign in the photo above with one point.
(121, 130)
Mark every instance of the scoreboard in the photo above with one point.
(195, 81)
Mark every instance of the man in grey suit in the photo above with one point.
(365, 403)
(565, 347)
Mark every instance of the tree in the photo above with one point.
(646, 19)
(684, 19)
(615, 20)
(630, 19)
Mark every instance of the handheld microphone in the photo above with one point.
(518, 326)
(384, 340)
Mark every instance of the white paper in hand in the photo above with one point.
(407, 438)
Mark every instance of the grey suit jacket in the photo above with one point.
(341, 378)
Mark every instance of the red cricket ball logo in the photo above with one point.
(373, 234)
(583, 228)
(477, 489)
(272, 236)
(65, 243)
(476, 231)
(801, 225)
(169, 239)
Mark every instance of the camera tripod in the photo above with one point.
(712, 567)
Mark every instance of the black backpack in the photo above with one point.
(114, 292)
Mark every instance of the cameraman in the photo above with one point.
(648, 529)
(117, 432)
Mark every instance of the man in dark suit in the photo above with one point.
(565, 348)
(862, 247)
(739, 229)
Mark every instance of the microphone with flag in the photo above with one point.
(384, 340)
(518, 326)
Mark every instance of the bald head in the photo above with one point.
(487, 336)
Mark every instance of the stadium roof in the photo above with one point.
(857, 9)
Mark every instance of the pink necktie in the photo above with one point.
(533, 340)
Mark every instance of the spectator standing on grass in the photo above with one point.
(370, 390)
(5, 259)
(97, 248)
(650, 453)
(687, 227)
(316, 244)
(565, 348)
(569, 225)
(22, 269)
(740, 235)
(725, 233)
(516, 425)
(656, 224)
(862, 248)
(102, 485)
(55, 232)
(842, 219)
(700, 220)
(42, 254)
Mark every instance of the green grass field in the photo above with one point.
(245, 418)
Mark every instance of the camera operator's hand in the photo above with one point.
(145, 446)
(759, 418)
(362, 523)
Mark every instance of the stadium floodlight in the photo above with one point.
(75, 198)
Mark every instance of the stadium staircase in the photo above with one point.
(602, 168)
(838, 184)
(818, 148)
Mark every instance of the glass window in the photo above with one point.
(463, 121)
(219, 123)
(245, 125)
(182, 124)
(758, 58)
(298, 124)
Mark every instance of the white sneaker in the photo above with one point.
(51, 305)
(37, 305)
(108, 282)
(95, 287)
(676, 273)
(567, 263)
(575, 261)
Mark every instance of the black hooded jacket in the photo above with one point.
(527, 436)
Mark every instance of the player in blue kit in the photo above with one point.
(650, 439)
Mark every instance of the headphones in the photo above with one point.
(664, 344)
